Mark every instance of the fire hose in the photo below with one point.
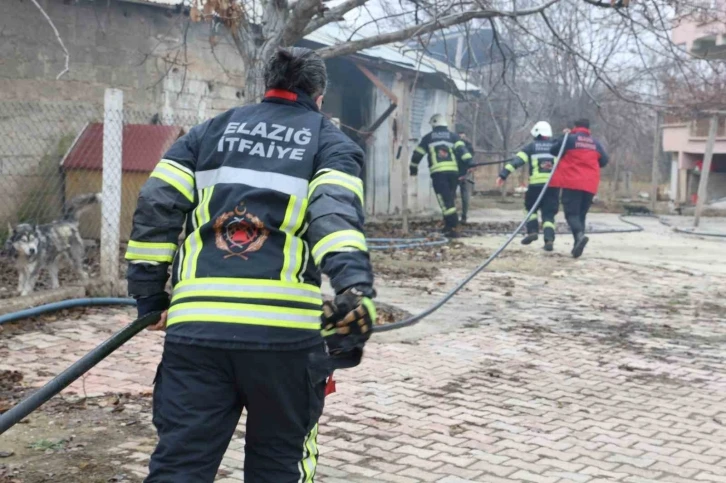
(85, 363)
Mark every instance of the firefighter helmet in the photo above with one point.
(542, 128)
(438, 120)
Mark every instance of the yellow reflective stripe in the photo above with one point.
(539, 178)
(459, 144)
(533, 217)
(449, 211)
(293, 250)
(510, 168)
(420, 150)
(193, 243)
(444, 166)
(548, 224)
(309, 463)
(174, 175)
(523, 156)
(466, 156)
(150, 251)
(250, 314)
(338, 178)
(370, 307)
(247, 289)
(349, 239)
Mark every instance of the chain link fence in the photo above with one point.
(52, 157)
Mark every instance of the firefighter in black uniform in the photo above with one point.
(537, 155)
(466, 176)
(270, 196)
(445, 151)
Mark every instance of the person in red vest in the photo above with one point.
(578, 174)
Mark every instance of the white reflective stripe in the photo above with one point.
(346, 240)
(138, 262)
(178, 166)
(169, 172)
(442, 143)
(241, 289)
(247, 312)
(257, 179)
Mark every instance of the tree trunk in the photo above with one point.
(254, 81)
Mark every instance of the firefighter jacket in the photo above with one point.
(537, 155)
(269, 196)
(579, 167)
(444, 149)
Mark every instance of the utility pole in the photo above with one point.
(656, 163)
(707, 158)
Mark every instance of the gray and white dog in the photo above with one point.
(38, 247)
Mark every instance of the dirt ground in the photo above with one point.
(657, 296)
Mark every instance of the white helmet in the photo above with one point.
(438, 120)
(542, 128)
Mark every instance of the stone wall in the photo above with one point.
(133, 47)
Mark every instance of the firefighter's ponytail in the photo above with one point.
(292, 68)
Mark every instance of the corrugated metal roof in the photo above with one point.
(397, 54)
(143, 147)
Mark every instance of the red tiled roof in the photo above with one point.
(143, 147)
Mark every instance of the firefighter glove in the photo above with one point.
(413, 170)
(347, 323)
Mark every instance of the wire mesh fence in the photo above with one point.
(71, 174)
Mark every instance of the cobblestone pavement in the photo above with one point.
(546, 370)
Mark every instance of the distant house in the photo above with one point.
(684, 140)
(142, 148)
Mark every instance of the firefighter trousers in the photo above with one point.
(466, 186)
(445, 184)
(548, 207)
(199, 395)
(576, 204)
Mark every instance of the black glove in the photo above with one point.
(347, 323)
(504, 174)
(153, 303)
(413, 170)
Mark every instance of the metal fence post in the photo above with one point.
(111, 187)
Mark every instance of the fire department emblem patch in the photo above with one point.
(443, 153)
(239, 233)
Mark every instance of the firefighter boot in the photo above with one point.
(549, 245)
(529, 238)
(580, 242)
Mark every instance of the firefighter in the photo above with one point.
(537, 155)
(466, 175)
(445, 151)
(269, 196)
(578, 174)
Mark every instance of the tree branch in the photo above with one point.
(436, 24)
(302, 12)
(57, 36)
(332, 15)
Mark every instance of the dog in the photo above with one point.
(38, 247)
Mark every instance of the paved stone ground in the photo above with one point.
(546, 370)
